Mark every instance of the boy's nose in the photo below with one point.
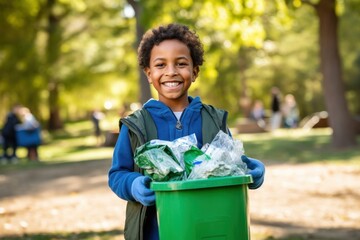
(171, 70)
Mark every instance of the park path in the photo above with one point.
(315, 201)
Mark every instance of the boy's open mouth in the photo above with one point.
(171, 84)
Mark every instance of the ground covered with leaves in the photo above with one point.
(73, 201)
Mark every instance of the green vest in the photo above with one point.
(143, 129)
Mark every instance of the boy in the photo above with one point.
(170, 57)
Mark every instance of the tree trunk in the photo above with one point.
(145, 92)
(54, 118)
(340, 120)
(53, 53)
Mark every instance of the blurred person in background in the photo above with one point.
(290, 112)
(258, 113)
(96, 117)
(9, 136)
(29, 133)
(276, 115)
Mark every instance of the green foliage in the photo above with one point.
(250, 46)
(18, 58)
(350, 53)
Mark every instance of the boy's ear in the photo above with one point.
(147, 73)
(196, 71)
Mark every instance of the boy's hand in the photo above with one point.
(141, 191)
(256, 170)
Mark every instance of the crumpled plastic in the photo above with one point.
(225, 158)
(164, 160)
(193, 157)
(158, 162)
(181, 159)
(179, 146)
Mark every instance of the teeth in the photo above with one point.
(171, 84)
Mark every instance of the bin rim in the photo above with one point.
(202, 183)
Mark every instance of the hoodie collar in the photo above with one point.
(156, 106)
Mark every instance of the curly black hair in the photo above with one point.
(171, 31)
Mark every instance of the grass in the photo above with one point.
(76, 143)
(298, 146)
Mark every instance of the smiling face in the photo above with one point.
(171, 72)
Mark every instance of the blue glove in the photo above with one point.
(140, 189)
(256, 170)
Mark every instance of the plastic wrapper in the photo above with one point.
(192, 157)
(158, 162)
(179, 146)
(164, 160)
(225, 159)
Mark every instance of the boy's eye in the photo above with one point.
(182, 64)
(159, 65)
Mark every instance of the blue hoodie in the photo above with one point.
(121, 173)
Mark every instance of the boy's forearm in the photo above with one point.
(120, 183)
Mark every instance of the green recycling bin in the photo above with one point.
(211, 209)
